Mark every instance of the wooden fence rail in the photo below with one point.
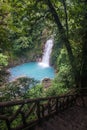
(20, 114)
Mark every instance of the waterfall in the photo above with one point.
(46, 54)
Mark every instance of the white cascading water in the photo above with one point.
(47, 52)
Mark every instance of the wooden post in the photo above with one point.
(57, 105)
(8, 124)
(23, 118)
(49, 107)
(38, 111)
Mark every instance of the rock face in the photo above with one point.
(46, 82)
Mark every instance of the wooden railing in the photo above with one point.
(21, 114)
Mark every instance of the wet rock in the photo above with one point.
(47, 82)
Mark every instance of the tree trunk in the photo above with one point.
(84, 66)
(66, 17)
(64, 39)
(84, 52)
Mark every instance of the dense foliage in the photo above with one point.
(26, 25)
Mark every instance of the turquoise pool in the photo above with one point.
(32, 70)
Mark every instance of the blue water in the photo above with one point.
(32, 70)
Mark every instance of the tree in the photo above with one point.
(64, 39)
(5, 21)
(3, 61)
(84, 49)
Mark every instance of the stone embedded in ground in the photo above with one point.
(46, 82)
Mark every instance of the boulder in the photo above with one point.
(47, 82)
